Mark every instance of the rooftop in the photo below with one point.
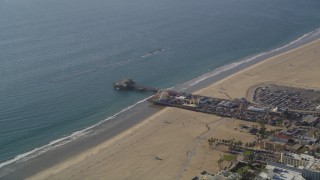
(300, 156)
(280, 136)
(315, 166)
(258, 109)
(280, 173)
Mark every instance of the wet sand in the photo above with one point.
(172, 143)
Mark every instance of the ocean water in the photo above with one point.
(58, 58)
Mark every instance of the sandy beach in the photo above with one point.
(172, 144)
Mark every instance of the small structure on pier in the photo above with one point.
(130, 85)
(125, 84)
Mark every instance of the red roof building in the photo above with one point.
(280, 137)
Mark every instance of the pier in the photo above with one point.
(231, 108)
(237, 108)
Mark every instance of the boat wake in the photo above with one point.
(153, 52)
(128, 60)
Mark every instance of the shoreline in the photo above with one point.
(179, 137)
(133, 117)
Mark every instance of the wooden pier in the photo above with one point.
(236, 108)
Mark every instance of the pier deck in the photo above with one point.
(236, 108)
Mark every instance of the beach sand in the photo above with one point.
(172, 144)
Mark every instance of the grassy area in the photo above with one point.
(246, 171)
(247, 153)
(229, 157)
(242, 170)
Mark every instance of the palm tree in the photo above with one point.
(240, 143)
(210, 143)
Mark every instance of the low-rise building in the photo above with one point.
(279, 137)
(294, 148)
(295, 160)
(272, 145)
(257, 109)
(304, 140)
(222, 175)
(310, 119)
(228, 104)
(312, 170)
(279, 171)
(227, 175)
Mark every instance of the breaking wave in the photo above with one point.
(64, 140)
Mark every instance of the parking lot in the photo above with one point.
(287, 97)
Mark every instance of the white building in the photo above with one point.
(279, 171)
(308, 165)
(257, 109)
(295, 160)
(312, 170)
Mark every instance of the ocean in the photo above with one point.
(59, 58)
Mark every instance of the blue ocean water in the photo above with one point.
(58, 58)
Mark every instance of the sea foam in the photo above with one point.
(64, 140)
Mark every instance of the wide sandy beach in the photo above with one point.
(172, 144)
